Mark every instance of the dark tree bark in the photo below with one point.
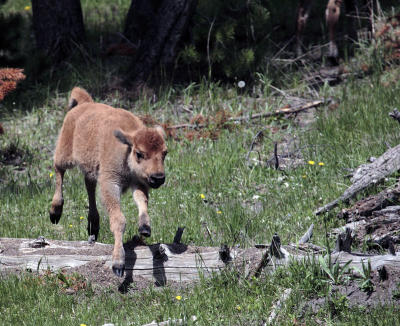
(58, 26)
(140, 18)
(157, 27)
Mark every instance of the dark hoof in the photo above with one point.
(145, 230)
(93, 234)
(92, 239)
(118, 270)
(56, 215)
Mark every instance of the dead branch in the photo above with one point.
(254, 116)
(170, 322)
(395, 114)
(307, 236)
(277, 306)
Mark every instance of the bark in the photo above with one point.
(366, 206)
(140, 18)
(177, 262)
(367, 174)
(58, 26)
(157, 27)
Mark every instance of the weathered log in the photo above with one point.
(159, 262)
(367, 174)
(177, 262)
(366, 206)
(344, 241)
(379, 229)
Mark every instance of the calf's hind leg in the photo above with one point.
(58, 200)
(93, 215)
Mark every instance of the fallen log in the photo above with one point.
(379, 229)
(163, 263)
(367, 174)
(157, 262)
(366, 206)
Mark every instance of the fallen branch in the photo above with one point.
(277, 306)
(307, 236)
(253, 116)
(171, 322)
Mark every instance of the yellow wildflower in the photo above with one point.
(27, 8)
(311, 162)
(82, 325)
(219, 212)
(238, 308)
(321, 163)
(304, 176)
(202, 196)
(81, 218)
(51, 174)
(70, 225)
(178, 297)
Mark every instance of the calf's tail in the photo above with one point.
(78, 96)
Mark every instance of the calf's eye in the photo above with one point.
(139, 155)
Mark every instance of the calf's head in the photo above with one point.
(147, 154)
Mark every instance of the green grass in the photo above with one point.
(342, 138)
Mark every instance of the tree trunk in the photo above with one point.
(156, 27)
(58, 26)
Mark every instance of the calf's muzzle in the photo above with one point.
(156, 180)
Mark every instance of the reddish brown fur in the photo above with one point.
(113, 147)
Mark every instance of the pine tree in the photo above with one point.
(228, 37)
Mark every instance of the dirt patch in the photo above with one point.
(13, 155)
(384, 292)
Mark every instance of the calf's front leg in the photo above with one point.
(141, 197)
(111, 194)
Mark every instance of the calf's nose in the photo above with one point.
(156, 180)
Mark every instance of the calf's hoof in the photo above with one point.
(145, 230)
(55, 215)
(118, 269)
(93, 233)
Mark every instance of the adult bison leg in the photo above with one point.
(140, 195)
(303, 12)
(111, 194)
(58, 200)
(93, 215)
(332, 14)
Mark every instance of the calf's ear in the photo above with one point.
(161, 131)
(122, 137)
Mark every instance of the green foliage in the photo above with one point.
(366, 281)
(11, 42)
(229, 37)
(335, 272)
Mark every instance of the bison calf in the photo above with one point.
(113, 147)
